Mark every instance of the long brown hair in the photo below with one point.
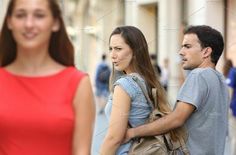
(60, 47)
(142, 65)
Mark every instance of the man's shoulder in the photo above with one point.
(203, 72)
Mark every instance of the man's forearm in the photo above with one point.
(162, 125)
(157, 127)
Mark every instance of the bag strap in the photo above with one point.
(136, 79)
(183, 147)
(154, 106)
(144, 90)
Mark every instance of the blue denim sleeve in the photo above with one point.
(128, 85)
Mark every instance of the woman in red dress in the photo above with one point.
(46, 104)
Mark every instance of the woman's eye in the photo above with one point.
(39, 15)
(20, 15)
(118, 49)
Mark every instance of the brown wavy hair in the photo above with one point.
(142, 65)
(60, 47)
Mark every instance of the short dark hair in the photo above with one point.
(208, 37)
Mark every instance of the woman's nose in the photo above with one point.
(29, 22)
(112, 54)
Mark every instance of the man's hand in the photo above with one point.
(129, 135)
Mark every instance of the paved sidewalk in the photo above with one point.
(99, 133)
(101, 129)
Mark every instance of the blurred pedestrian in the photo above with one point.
(202, 102)
(165, 74)
(155, 65)
(230, 71)
(46, 104)
(127, 104)
(102, 76)
(227, 66)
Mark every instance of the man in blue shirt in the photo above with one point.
(202, 101)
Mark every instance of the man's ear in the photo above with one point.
(207, 52)
(56, 26)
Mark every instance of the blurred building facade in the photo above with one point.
(90, 22)
(230, 28)
(162, 22)
(93, 21)
(3, 4)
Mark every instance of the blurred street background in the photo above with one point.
(90, 22)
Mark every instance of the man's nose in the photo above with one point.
(181, 52)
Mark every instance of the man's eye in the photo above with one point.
(186, 46)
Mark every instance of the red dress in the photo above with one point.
(36, 113)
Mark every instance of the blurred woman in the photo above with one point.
(46, 104)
